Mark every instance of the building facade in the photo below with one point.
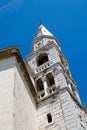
(40, 94)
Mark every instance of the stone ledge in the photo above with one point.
(14, 51)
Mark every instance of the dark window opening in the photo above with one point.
(42, 58)
(49, 118)
(40, 86)
(42, 95)
(50, 79)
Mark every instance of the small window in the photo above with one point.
(49, 118)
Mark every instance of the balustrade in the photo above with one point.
(44, 66)
(41, 94)
(51, 89)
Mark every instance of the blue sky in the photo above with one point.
(66, 19)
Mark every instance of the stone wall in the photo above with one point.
(53, 55)
(6, 93)
(24, 105)
(60, 80)
(17, 106)
(63, 114)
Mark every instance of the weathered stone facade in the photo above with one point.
(40, 95)
(57, 94)
(17, 105)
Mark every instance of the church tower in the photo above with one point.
(58, 103)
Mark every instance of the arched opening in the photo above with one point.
(42, 58)
(50, 79)
(49, 117)
(40, 86)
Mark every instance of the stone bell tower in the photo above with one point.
(58, 103)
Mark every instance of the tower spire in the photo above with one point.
(42, 30)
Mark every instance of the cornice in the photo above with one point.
(14, 51)
(58, 92)
(44, 48)
(37, 39)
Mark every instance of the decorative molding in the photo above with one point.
(14, 51)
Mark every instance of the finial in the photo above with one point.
(40, 22)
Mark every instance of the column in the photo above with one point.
(45, 85)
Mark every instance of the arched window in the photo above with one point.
(40, 86)
(49, 117)
(50, 79)
(42, 58)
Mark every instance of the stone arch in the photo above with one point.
(50, 79)
(42, 58)
(40, 85)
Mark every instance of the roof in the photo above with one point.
(14, 51)
(42, 30)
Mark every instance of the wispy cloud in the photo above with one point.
(12, 6)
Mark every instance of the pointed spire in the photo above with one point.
(43, 31)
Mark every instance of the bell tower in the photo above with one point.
(58, 102)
